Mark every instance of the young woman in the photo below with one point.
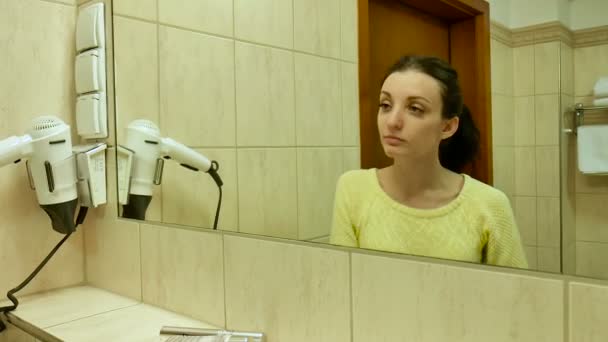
(422, 204)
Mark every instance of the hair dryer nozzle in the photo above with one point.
(62, 215)
(137, 206)
(13, 149)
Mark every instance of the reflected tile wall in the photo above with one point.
(196, 87)
(143, 9)
(264, 21)
(265, 98)
(317, 27)
(136, 73)
(315, 189)
(536, 113)
(268, 188)
(591, 191)
(284, 80)
(211, 16)
(190, 198)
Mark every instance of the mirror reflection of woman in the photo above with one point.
(422, 204)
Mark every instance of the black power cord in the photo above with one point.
(215, 166)
(217, 211)
(218, 180)
(82, 213)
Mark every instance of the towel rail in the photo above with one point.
(579, 114)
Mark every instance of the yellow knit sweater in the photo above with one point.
(477, 226)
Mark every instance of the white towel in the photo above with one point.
(600, 101)
(592, 149)
(601, 88)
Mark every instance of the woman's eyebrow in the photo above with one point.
(419, 98)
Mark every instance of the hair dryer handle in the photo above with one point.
(184, 155)
(12, 149)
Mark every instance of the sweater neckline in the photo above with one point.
(432, 212)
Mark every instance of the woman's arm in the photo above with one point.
(343, 230)
(504, 244)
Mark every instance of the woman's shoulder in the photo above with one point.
(486, 195)
(357, 179)
(357, 175)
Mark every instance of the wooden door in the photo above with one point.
(454, 30)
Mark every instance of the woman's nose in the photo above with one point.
(395, 120)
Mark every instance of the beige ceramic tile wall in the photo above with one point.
(191, 198)
(112, 245)
(186, 279)
(271, 174)
(567, 160)
(242, 80)
(295, 292)
(591, 191)
(136, 79)
(547, 80)
(588, 312)
(289, 292)
(144, 9)
(36, 64)
(502, 116)
(536, 170)
(431, 302)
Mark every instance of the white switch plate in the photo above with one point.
(90, 27)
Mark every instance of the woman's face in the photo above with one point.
(409, 118)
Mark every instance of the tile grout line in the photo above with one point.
(316, 237)
(60, 3)
(293, 146)
(141, 265)
(350, 292)
(158, 102)
(224, 280)
(236, 115)
(91, 315)
(158, 89)
(340, 83)
(566, 308)
(215, 35)
(560, 173)
(295, 121)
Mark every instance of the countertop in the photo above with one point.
(85, 313)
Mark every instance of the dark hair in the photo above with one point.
(461, 148)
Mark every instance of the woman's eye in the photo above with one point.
(416, 110)
(385, 107)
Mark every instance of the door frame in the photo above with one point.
(469, 24)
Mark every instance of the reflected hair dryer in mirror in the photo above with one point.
(148, 150)
(51, 168)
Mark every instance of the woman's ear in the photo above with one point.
(450, 127)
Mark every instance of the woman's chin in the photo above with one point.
(392, 152)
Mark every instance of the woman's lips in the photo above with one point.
(392, 140)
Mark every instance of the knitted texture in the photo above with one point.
(477, 226)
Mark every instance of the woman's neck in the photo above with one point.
(413, 180)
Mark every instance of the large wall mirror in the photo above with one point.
(280, 98)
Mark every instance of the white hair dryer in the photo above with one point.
(148, 147)
(51, 168)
